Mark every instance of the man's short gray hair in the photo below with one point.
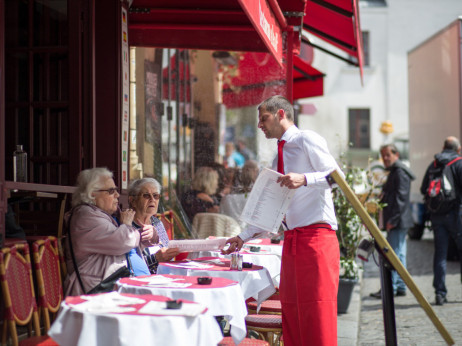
(135, 186)
(275, 103)
(88, 181)
(451, 143)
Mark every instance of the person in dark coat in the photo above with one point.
(397, 215)
(445, 224)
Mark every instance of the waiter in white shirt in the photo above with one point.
(310, 257)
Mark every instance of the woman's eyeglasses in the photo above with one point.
(148, 196)
(110, 191)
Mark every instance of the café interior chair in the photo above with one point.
(18, 295)
(48, 274)
(214, 224)
(228, 341)
(268, 327)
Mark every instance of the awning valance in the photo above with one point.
(236, 25)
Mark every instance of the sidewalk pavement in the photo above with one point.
(348, 323)
(363, 324)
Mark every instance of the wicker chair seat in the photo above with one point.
(264, 321)
(228, 341)
(268, 306)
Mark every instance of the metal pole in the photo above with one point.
(388, 304)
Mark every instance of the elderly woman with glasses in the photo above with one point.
(143, 198)
(99, 240)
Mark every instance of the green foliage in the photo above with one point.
(350, 227)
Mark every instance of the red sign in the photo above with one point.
(266, 24)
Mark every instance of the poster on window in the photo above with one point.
(125, 99)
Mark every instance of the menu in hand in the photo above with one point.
(191, 245)
(268, 202)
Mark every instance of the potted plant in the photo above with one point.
(351, 229)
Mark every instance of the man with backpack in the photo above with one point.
(441, 188)
(397, 215)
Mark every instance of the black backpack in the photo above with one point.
(441, 195)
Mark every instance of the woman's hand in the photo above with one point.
(148, 233)
(126, 216)
(165, 254)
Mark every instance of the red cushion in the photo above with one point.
(43, 340)
(264, 321)
(228, 341)
(266, 306)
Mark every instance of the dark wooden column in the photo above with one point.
(108, 86)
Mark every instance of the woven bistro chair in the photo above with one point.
(167, 220)
(228, 341)
(268, 327)
(18, 294)
(47, 272)
(270, 306)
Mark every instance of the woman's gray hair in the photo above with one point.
(88, 181)
(135, 186)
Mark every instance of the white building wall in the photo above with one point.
(393, 31)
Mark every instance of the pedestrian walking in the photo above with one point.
(441, 187)
(397, 215)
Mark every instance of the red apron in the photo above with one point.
(309, 285)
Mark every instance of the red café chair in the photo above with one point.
(270, 306)
(268, 327)
(18, 294)
(228, 341)
(47, 272)
(168, 218)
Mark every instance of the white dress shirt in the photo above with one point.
(306, 152)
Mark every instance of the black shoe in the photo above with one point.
(440, 300)
(377, 294)
(400, 293)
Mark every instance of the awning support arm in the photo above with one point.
(348, 61)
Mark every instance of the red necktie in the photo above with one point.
(280, 156)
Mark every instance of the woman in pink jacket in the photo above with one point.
(100, 244)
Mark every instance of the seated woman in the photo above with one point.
(201, 199)
(143, 198)
(233, 203)
(99, 243)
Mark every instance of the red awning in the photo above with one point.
(236, 25)
(337, 22)
(258, 76)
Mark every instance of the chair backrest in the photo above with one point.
(48, 274)
(18, 288)
(213, 224)
(167, 220)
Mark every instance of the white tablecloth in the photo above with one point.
(256, 282)
(224, 299)
(270, 261)
(265, 244)
(75, 327)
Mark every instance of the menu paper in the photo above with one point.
(267, 202)
(192, 245)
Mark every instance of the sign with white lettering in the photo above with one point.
(266, 24)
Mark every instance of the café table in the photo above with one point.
(266, 245)
(127, 319)
(255, 282)
(222, 297)
(263, 258)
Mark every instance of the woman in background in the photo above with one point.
(201, 199)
